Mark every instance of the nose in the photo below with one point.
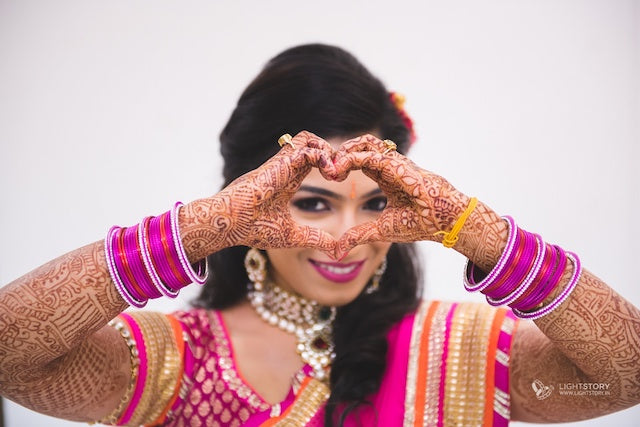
(347, 219)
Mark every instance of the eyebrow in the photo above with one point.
(324, 192)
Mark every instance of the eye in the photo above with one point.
(311, 204)
(376, 204)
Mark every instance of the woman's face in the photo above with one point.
(333, 207)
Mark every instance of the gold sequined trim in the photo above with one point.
(436, 347)
(465, 381)
(466, 361)
(412, 368)
(307, 404)
(229, 374)
(120, 326)
(164, 365)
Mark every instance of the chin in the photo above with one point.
(339, 298)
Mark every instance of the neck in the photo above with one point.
(308, 320)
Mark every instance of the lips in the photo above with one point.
(337, 271)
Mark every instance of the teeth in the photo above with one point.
(338, 270)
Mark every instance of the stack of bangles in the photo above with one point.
(148, 260)
(527, 273)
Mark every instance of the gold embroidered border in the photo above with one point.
(311, 399)
(413, 366)
(436, 348)
(125, 333)
(465, 377)
(163, 366)
(227, 366)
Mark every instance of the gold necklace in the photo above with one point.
(311, 322)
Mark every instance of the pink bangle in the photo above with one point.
(123, 266)
(134, 260)
(510, 265)
(469, 279)
(548, 263)
(159, 254)
(575, 277)
(124, 292)
(148, 260)
(171, 251)
(148, 263)
(527, 281)
(520, 269)
(546, 283)
(199, 277)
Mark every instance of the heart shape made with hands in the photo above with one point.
(419, 203)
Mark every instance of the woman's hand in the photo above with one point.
(420, 204)
(254, 209)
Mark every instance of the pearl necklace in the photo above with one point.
(309, 321)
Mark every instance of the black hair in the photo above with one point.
(327, 91)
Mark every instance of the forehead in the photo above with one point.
(356, 180)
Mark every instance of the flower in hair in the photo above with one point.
(398, 100)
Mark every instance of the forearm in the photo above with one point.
(594, 336)
(53, 309)
(599, 331)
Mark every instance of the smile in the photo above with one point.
(338, 272)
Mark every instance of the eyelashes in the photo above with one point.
(319, 204)
(311, 204)
(377, 204)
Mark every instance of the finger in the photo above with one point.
(362, 143)
(361, 234)
(357, 159)
(318, 152)
(372, 164)
(309, 139)
(310, 237)
(391, 173)
(306, 157)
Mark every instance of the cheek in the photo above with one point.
(282, 259)
(381, 248)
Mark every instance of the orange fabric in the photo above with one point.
(421, 386)
(491, 366)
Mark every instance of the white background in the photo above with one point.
(110, 110)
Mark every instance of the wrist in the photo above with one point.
(205, 227)
(483, 237)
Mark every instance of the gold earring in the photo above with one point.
(256, 265)
(377, 275)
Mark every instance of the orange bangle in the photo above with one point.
(451, 237)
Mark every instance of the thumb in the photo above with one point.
(311, 237)
(361, 234)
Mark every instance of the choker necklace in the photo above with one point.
(311, 322)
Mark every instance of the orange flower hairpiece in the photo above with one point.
(398, 100)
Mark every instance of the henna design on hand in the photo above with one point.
(47, 319)
(420, 204)
(253, 210)
(593, 337)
